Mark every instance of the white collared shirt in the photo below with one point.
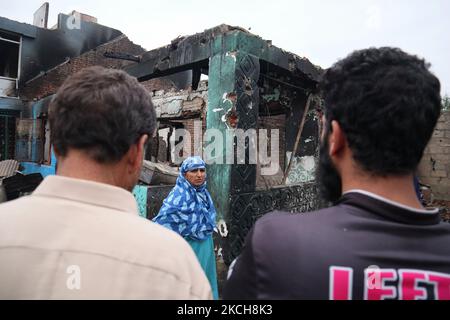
(77, 239)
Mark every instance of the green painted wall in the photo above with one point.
(221, 82)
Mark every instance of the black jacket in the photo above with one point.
(365, 247)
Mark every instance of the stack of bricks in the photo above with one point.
(434, 170)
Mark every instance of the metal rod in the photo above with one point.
(299, 135)
(7, 40)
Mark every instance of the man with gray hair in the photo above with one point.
(79, 236)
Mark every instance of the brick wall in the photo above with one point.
(434, 170)
(49, 82)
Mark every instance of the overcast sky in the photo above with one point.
(322, 30)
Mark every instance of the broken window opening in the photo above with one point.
(159, 149)
(9, 58)
(157, 169)
(282, 101)
(278, 90)
(9, 64)
(178, 109)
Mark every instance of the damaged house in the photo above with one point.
(251, 85)
(224, 78)
(34, 62)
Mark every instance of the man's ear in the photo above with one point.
(141, 146)
(136, 152)
(337, 139)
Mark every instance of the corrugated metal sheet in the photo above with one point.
(8, 168)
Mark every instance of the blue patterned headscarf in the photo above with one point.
(188, 210)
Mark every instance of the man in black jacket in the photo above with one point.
(377, 241)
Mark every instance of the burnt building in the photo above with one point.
(251, 86)
(222, 80)
(34, 61)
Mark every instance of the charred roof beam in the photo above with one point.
(121, 56)
(185, 53)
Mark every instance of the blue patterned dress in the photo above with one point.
(190, 212)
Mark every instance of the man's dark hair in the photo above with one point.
(387, 102)
(102, 112)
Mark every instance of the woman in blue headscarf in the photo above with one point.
(189, 211)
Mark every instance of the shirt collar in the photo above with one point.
(390, 209)
(90, 192)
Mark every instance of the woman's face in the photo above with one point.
(196, 177)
